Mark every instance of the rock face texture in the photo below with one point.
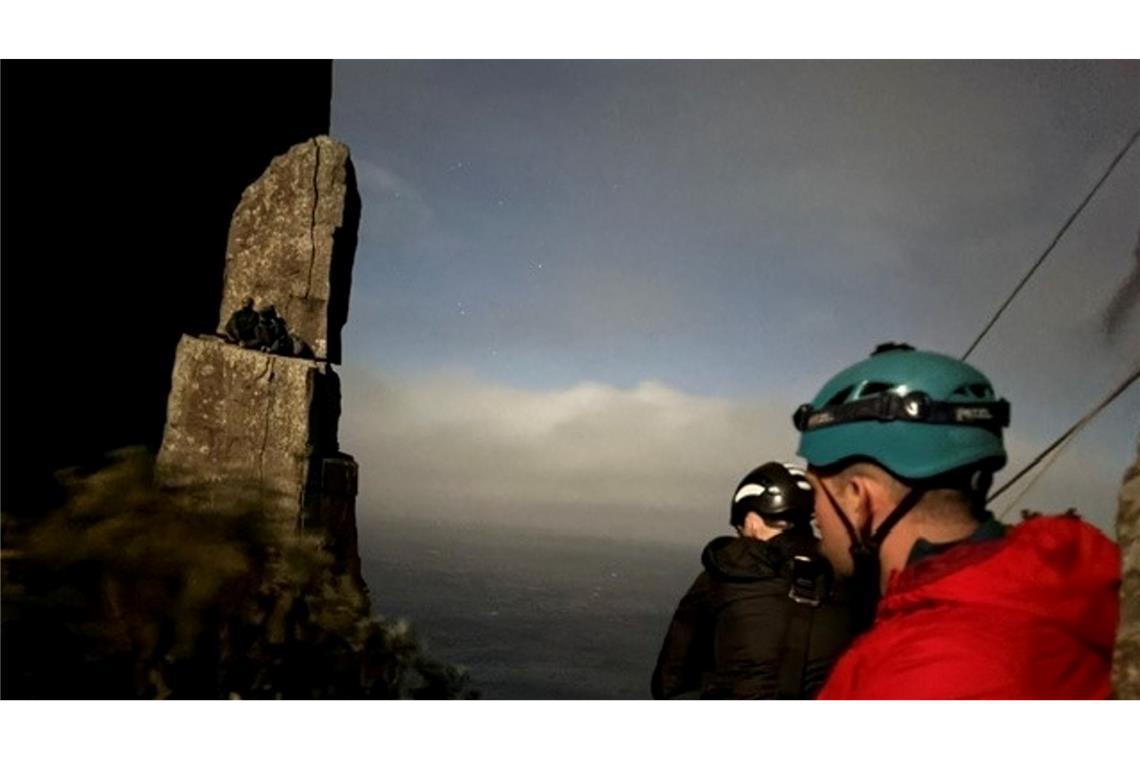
(292, 241)
(1126, 658)
(245, 418)
(247, 426)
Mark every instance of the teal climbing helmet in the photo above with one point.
(916, 413)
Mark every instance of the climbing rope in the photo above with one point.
(1056, 238)
(1063, 440)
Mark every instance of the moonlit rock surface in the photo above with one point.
(292, 240)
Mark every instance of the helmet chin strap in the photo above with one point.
(866, 560)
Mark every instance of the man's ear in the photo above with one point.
(859, 492)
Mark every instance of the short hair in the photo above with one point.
(951, 497)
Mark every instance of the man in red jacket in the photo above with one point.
(901, 449)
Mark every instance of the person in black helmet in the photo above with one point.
(763, 619)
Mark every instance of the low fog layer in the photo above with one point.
(643, 463)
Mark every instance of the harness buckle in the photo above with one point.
(808, 584)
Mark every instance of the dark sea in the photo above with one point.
(531, 615)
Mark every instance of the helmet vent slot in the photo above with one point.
(840, 397)
(982, 391)
(974, 391)
(874, 389)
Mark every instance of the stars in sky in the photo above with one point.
(687, 209)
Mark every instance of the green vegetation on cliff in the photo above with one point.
(128, 592)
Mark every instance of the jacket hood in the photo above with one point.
(749, 559)
(1059, 569)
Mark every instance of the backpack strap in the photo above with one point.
(807, 590)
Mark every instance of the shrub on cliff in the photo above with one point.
(126, 591)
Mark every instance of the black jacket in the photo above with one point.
(731, 631)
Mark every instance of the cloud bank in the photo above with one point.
(649, 462)
(641, 463)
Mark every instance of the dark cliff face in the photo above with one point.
(119, 180)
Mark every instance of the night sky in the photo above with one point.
(589, 294)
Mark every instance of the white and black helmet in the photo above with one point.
(778, 492)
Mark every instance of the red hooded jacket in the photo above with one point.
(1031, 615)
